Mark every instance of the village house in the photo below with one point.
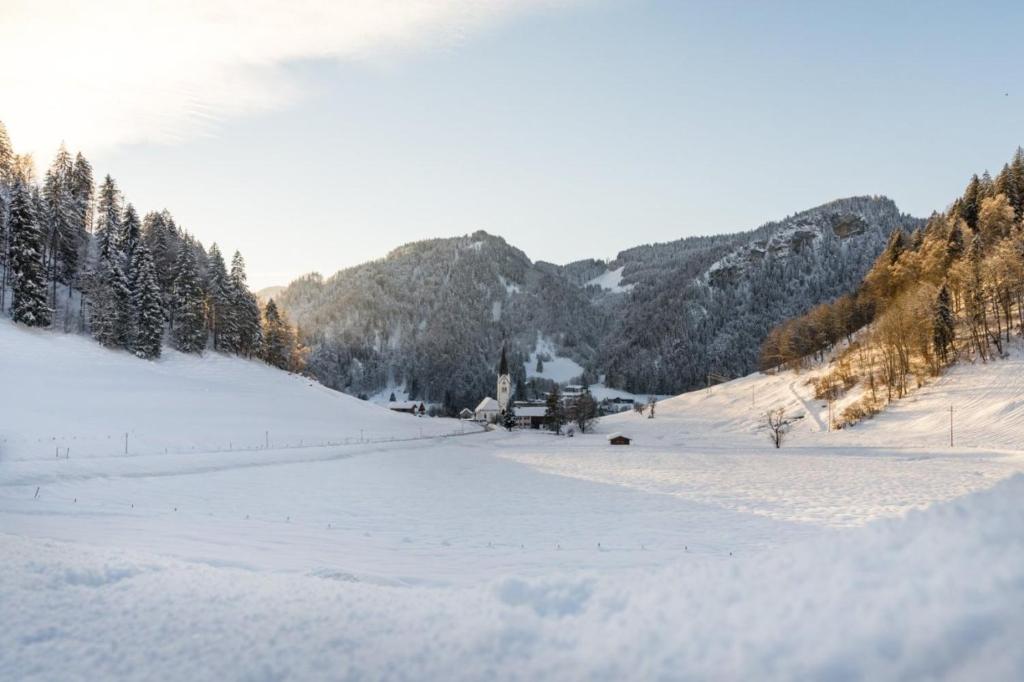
(530, 417)
(408, 407)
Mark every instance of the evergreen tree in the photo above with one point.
(63, 238)
(108, 218)
(189, 332)
(245, 310)
(943, 326)
(970, 202)
(28, 283)
(278, 338)
(110, 303)
(147, 311)
(508, 420)
(130, 233)
(221, 319)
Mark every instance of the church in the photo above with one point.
(490, 409)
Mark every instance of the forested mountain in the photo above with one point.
(433, 315)
(79, 257)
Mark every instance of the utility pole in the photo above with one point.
(126, 443)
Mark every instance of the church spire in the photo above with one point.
(503, 367)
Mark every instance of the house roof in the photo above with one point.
(405, 405)
(487, 405)
(613, 436)
(531, 411)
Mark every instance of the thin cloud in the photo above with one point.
(114, 72)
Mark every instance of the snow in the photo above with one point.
(558, 369)
(63, 393)
(699, 552)
(611, 280)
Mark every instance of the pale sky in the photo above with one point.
(317, 135)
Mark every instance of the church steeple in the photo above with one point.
(504, 383)
(503, 365)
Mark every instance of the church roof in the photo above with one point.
(487, 405)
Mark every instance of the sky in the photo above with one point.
(317, 135)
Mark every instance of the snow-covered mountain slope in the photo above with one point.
(433, 315)
(64, 395)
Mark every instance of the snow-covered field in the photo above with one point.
(698, 552)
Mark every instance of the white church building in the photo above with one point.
(490, 409)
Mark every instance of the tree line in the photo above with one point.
(952, 288)
(79, 257)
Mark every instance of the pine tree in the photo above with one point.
(130, 233)
(62, 235)
(278, 338)
(508, 420)
(970, 202)
(108, 218)
(246, 310)
(943, 326)
(110, 303)
(221, 318)
(147, 311)
(28, 282)
(189, 332)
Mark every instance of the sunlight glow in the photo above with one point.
(119, 71)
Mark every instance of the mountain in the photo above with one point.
(267, 293)
(433, 315)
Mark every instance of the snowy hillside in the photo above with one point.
(699, 551)
(66, 395)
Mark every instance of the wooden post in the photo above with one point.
(950, 426)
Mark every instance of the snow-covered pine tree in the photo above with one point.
(108, 217)
(62, 247)
(508, 420)
(160, 235)
(110, 302)
(130, 234)
(28, 282)
(221, 318)
(147, 310)
(246, 310)
(189, 332)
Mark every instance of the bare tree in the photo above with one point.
(777, 425)
(651, 402)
